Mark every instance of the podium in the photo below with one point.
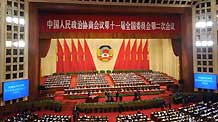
(92, 99)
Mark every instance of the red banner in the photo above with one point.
(123, 24)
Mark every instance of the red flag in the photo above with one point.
(133, 63)
(74, 62)
(120, 58)
(127, 56)
(60, 58)
(67, 57)
(80, 57)
(88, 58)
(140, 56)
(145, 56)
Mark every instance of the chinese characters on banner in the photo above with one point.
(70, 23)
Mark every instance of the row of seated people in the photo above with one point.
(202, 111)
(58, 81)
(138, 117)
(86, 118)
(31, 117)
(170, 115)
(126, 79)
(23, 117)
(55, 118)
(91, 81)
(145, 88)
(156, 77)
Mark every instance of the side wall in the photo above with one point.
(187, 54)
(33, 52)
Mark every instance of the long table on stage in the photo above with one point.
(149, 87)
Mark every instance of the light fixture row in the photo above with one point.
(204, 43)
(203, 24)
(15, 20)
(20, 43)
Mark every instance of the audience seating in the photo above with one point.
(23, 117)
(31, 117)
(123, 82)
(85, 118)
(55, 118)
(157, 77)
(91, 81)
(138, 117)
(170, 115)
(200, 112)
(58, 81)
(126, 79)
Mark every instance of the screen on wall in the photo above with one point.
(15, 89)
(205, 81)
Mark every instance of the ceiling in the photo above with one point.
(156, 3)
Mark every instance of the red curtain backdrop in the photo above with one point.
(145, 56)
(127, 56)
(74, 61)
(134, 59)
(67, 58)
(59, 67)
(133, 63)
(82, 60)
(139, 59)
(120, 58)
(89, 63)
(80, 57)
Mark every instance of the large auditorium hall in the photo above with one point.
(109, 61)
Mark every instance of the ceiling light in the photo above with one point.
(15, 44)
(200, 24)
(209, 23)
(21, 43)
(15, 20)
(9, 19)
(204, 43)
(8, 44)
(198, 43)
(22, 21)
(210, 43)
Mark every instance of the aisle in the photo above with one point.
(73, 81)
(109, 79)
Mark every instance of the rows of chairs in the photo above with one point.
(138, 117)
(170, 115)
(23, 117)
(86, 118)
(91, 81)
(156, 78)
(58, 81)
(126, 79)
(55, 118)
(200, 112)
(31, 117)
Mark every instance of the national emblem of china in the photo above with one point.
(105, 53)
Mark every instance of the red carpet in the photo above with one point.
(73, 81)
(111, 116)
(68, 105)
(109, 79)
